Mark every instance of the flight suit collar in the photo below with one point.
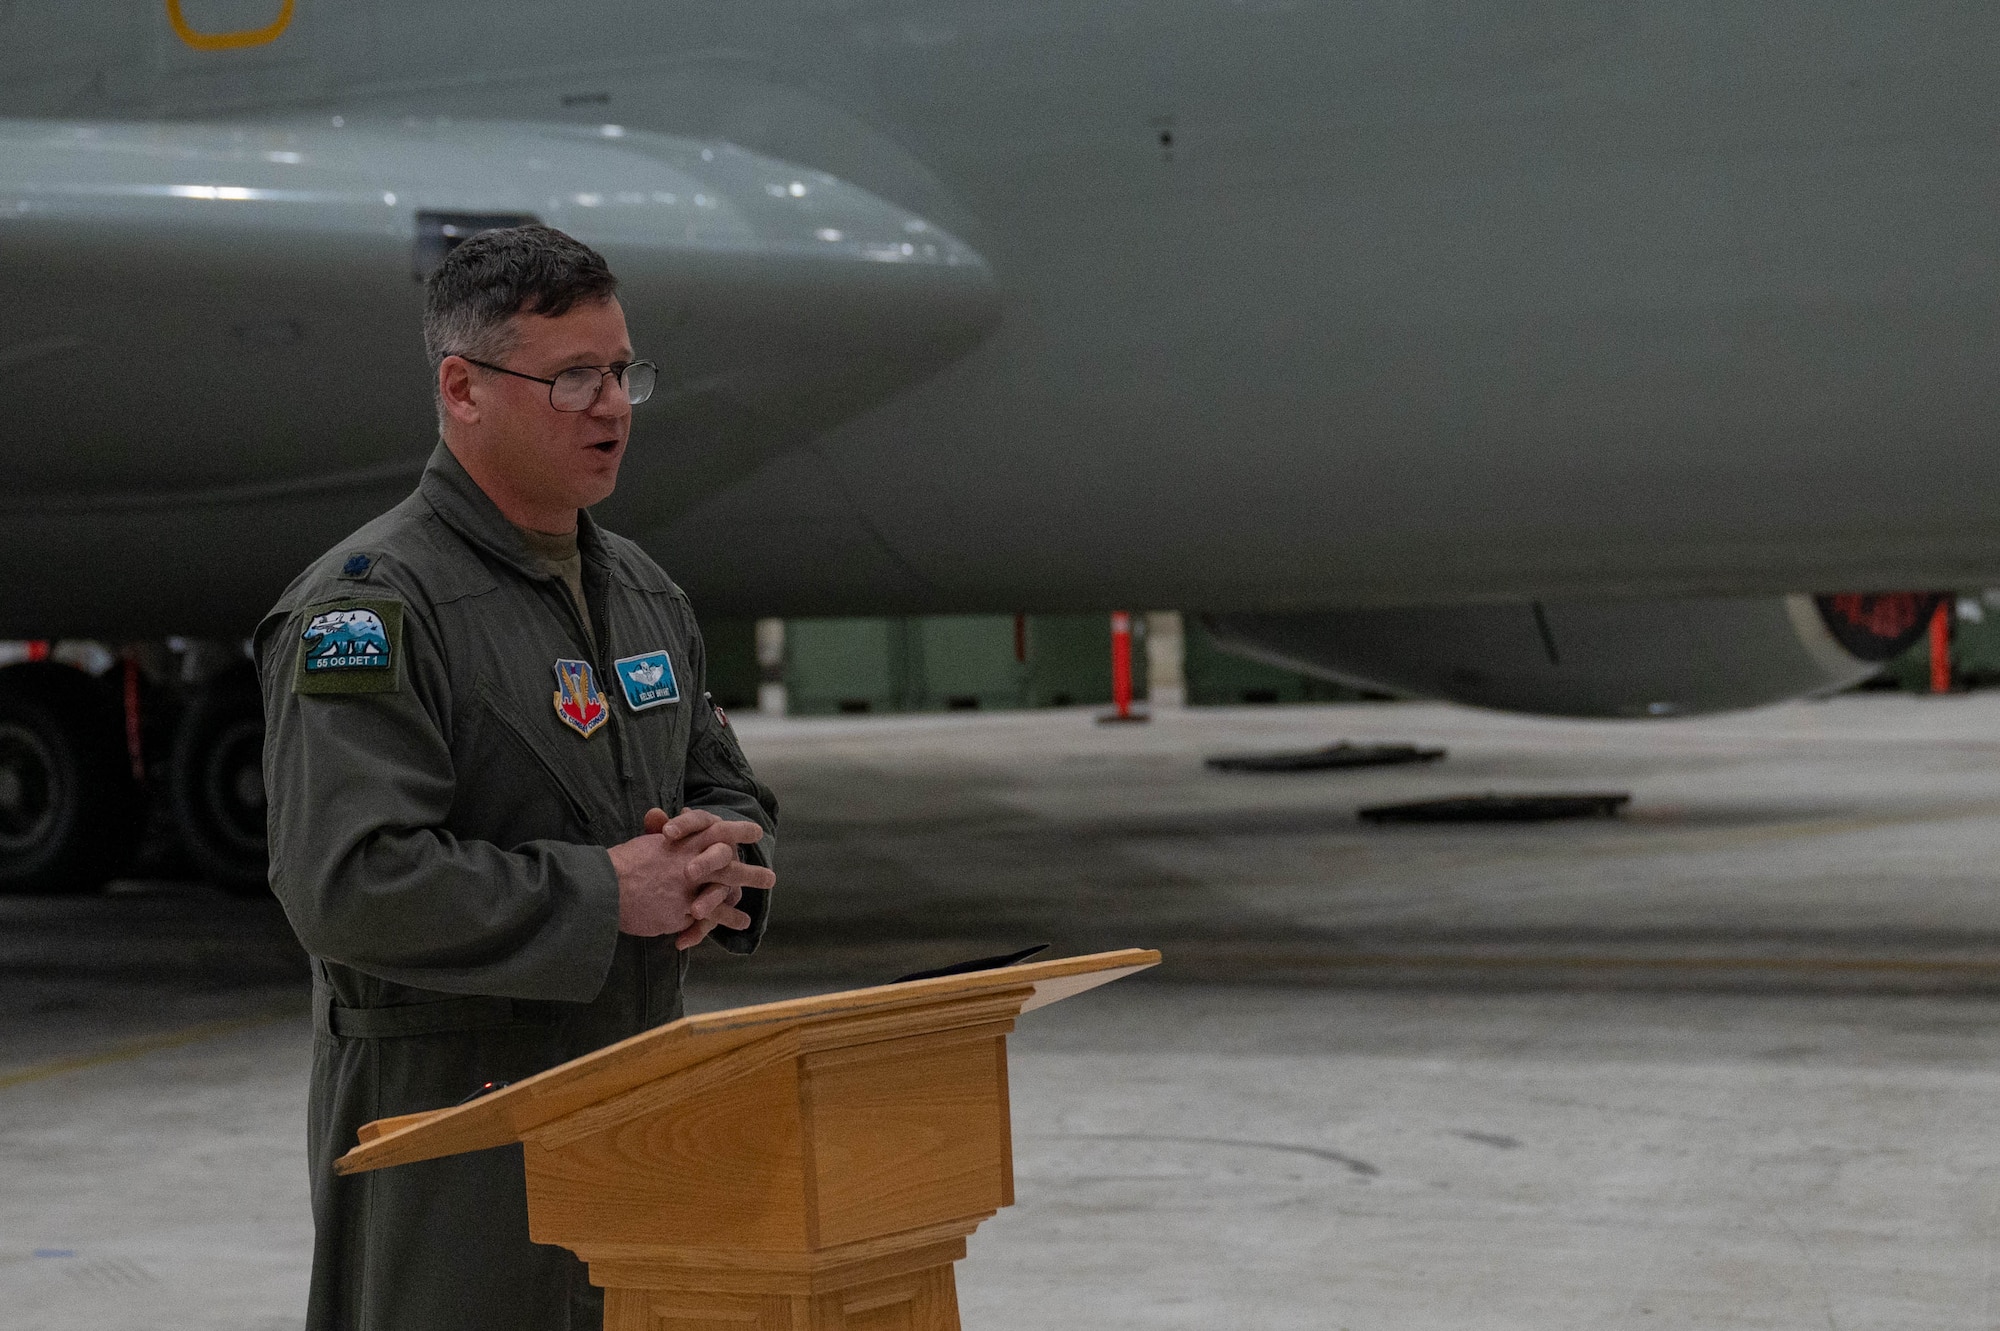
(467, 510)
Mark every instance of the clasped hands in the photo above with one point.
(683, 876)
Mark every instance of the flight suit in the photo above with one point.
(446, 759)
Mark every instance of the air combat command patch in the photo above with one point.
(351, 646)
(648, 680)
(580, 703)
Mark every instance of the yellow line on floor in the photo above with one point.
(1885, 964)
(139, 1048)
(1641, 835)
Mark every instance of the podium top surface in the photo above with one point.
(510, 1114)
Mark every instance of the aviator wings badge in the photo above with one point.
(648, 680)
(580, 703)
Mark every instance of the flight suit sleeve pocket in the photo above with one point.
(719, 778)
(715, 747)
(352, 645)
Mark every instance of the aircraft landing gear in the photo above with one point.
(216, 777)
(69, 808)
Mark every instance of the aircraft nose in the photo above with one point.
(777, 299)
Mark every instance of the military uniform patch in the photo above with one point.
(580, 704)
(648, 680)
(351, 646)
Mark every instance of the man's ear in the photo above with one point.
(455, 390)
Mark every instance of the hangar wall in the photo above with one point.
(992, 663)
(936, 663)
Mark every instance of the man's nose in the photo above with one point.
(612, 399)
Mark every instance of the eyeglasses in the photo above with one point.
(577, 388)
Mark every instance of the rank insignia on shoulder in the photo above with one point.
(648, 680)
(580, 704)
(357, 566)
(350, 647)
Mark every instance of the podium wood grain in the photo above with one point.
(811, 1165)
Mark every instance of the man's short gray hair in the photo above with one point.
(472, 298)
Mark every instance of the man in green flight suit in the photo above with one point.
(479, 709)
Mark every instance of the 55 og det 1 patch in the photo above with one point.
(580, 704)
(350, 647)
(648, 680)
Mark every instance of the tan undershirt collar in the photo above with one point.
(559, 554)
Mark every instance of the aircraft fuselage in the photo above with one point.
(1261, 306)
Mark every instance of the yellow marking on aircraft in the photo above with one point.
(131, 1049)
(227, 41)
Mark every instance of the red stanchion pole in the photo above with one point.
(1941, 647)
(1121, 663)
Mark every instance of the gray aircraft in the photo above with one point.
(1562, 355)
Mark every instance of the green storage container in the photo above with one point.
(847, 665)
(948, 663)
(966, 662)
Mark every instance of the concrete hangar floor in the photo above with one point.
(1730, 1060)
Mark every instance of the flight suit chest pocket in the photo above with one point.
(518, 771)
(652, 688)
(660, 740)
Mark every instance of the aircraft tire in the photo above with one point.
(216, 778)
(69, 808)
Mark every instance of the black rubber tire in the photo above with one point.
(70, 812)
(216, 779)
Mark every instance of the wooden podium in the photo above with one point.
(811, 1165)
